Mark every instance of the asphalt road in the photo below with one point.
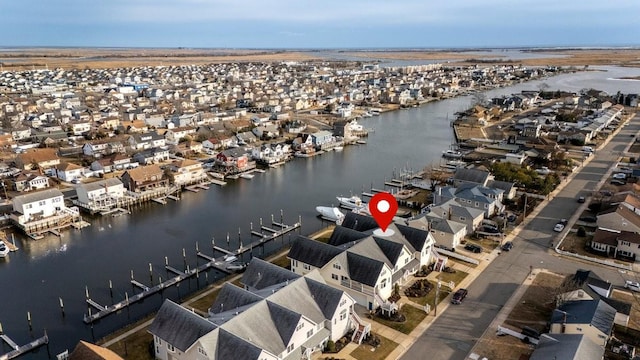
(454, 333)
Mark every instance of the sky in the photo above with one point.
(319, 24)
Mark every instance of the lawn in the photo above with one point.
(367, 352)
(444, 290)
(136, 346)
(413, 317)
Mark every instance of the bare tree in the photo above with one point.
(435, 176)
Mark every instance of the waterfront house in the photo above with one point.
(144, 178)
(271, 153)
(151, 156)
(112, 163)
(37, 158)
(100, 195)
(291, 319)
(88, 351)
(69, 172)
(234, 160)
(187, 172)
(321, 138)
(471, 176)
(41, 210)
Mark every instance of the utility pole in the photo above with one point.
(435, 301)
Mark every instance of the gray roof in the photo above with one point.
(232, 297)
(231, 346)
(471, 175)
(503, 185)
(38, 196)
(590, 278)
(391, 249)
(595, 312)
(567, 347)
(327, 297)
(363, 269)
(359, 222)
(100, 184)
(342, 235)
(261, 274)
(416, 237)
(285, 320)
(444, 225)
(312, 252)
(179, 326)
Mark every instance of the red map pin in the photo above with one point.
(383, 207)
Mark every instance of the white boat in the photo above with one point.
(330, 213)
(247, 176)
(338, 148)
(236, 266)
(4, 250)
(452, 154)
(367, 115)
(350, 202)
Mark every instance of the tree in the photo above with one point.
(581, 232)
(435, 176)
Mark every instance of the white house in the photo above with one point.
(69, 172)
(103, 194)
(187, 172)
(173, 136)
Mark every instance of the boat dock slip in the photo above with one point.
(20, 350)
(269, 230)
(10, 246)
(393, 184)
(367, 194)
(172, 197)
(376, 190)
(221, 263)
(203, 186)
(218, 182)
(192, 189)
(160, 200)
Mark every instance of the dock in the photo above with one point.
(218, 182)
(21, 350)
(11, 246)
(173, 197)
(160, 200)
(220, 263)
(192, 189)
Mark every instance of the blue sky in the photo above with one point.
(319, 24)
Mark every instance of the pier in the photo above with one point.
(10, 245)
(21, 350)
(220, 263)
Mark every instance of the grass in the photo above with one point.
(413, 317)
(367, 352)
(135, 346)
(537, 303)
(487, 244)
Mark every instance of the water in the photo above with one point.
(33, 278)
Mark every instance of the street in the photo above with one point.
(453, 334)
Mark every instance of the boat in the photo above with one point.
(350, 202)
(452, 154)
(330, 213)
(236, 267)
(4, 250)
(247, 176)
(361, 142)
(367, 115)
(338, 148)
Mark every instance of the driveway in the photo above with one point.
(453, 334)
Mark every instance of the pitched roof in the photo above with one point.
(261, 274)
(392, 250)
(38, 155)
(38, 196)
(363, 269)
(144, 173)
(590, 278)
(416, 237)
(471, 175)
(594, 312)
(359, 222)
(100, 184)
(567, 347)
(231, 346)
(179, 326)
(232, 297)
(342, 235)
(88, 351)
(312, 252)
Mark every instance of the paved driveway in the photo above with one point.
(453, 334)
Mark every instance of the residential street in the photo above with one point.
(453, 334)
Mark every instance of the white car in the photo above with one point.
(559, 227)
(619, 176)
(632, 285)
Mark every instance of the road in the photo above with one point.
(453, 334)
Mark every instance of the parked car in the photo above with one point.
(632, 285)
(558, 228)
(581, 199)
(473, 248)
(564, 222)
(490, 229)
(619, 176)
(458, 296)
(618, 182)
(507, 246)
(588, 218)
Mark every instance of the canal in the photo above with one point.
(41, 272)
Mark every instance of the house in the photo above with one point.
(98, 148)
(287, 317)
(452, 210)
(100, 195)
(69, 172)
(592, 318)
(39, 210)
(216, 143)
(88, 351)
(617, 243)
(146, 140)
(509, 189)
(79, 128)
(22, 133)
(144, 178)
(321, 138)
(447, 234)
(234, 160)
(471, 176)
(474, 196)
(269, 154)
(112, 163)
(173, 136)
(620, 218)
(151, 156)
(42, 158)
(29, 181)
(187, 172)
(567, 347)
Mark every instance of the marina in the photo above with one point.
(19, 350)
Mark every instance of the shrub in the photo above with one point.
(331, 346)
(582, 232)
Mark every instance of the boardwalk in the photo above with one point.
(20, 350)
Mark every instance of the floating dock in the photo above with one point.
(219, 263)
(11, 246)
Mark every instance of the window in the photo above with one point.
(307, 267)
(626, 243)
(334, 276)
(477, 204)
(336, 266)
(170, 347)
(343, 315)
(41, 203)
(29, 206)
(300, 326)
(290, 348)
(462, 218)
(309, 333)
(343, 278)
(201, 351)
(294, 263)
